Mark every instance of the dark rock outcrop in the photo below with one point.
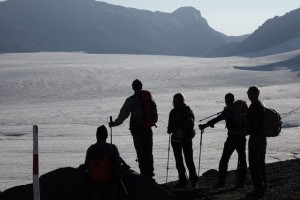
(72, 184)
(283, 182)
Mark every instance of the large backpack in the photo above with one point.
(186, 130)
(272, 123)
(101, 170)
(240, 108)
(148, 107)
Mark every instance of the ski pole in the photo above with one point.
(123, 186)
(238, 173)
(168, 158)
(210, 116)
(110, 119)
(200, 151)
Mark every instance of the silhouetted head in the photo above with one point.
(137, 85)
(178, 100)
(229, 99)
(253, 93)
(101, 133)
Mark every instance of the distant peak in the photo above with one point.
(187, 10)
(188, 14)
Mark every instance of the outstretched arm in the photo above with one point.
(124, 113)
(213, 121)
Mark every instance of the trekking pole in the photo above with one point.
(110, 119)
(238, 171)
(123, 186)
(200, 151)
(210, 116)
(168, 158)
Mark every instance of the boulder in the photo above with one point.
(72, 184)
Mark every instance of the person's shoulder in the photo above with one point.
(91, 148)
(112, 150)
(111, 146)
(188, 109)
(258, 104)
(172, 110)
(131, 99)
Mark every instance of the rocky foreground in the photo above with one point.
(72, 184)
(283, 182)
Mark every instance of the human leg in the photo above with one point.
(138, 141)
(256, 163)
(148, 148)
(242, 162)
(177, 150)
(229, 147)
(189, 160)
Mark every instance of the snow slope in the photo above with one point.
(69, 94)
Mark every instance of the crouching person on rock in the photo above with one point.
(103, 164)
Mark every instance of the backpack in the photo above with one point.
(272, 123)
(239, 108)
(186, 129)
(101, 170)
(148, 107)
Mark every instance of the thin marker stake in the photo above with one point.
(35, 168)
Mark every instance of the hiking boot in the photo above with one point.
(194, 181)
(219, 184)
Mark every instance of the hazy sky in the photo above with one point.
(231, 17)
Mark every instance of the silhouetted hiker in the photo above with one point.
(257, 142)
(236, 140)
(181, 126)
(103, 164)
(142, 109)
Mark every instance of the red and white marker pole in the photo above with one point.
(35, 168)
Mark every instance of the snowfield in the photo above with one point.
(69, 94)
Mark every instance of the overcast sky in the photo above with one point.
(231, 17)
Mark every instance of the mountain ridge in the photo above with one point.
(98, 27)
(271, 34)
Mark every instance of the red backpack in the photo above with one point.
(100, 170)
(149, 109)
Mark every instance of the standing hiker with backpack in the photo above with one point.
(236, 139)
(257, 143)
(103, 165)
(181, 126)
(143, 115)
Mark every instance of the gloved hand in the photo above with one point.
(111, 124)
(202, 126)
